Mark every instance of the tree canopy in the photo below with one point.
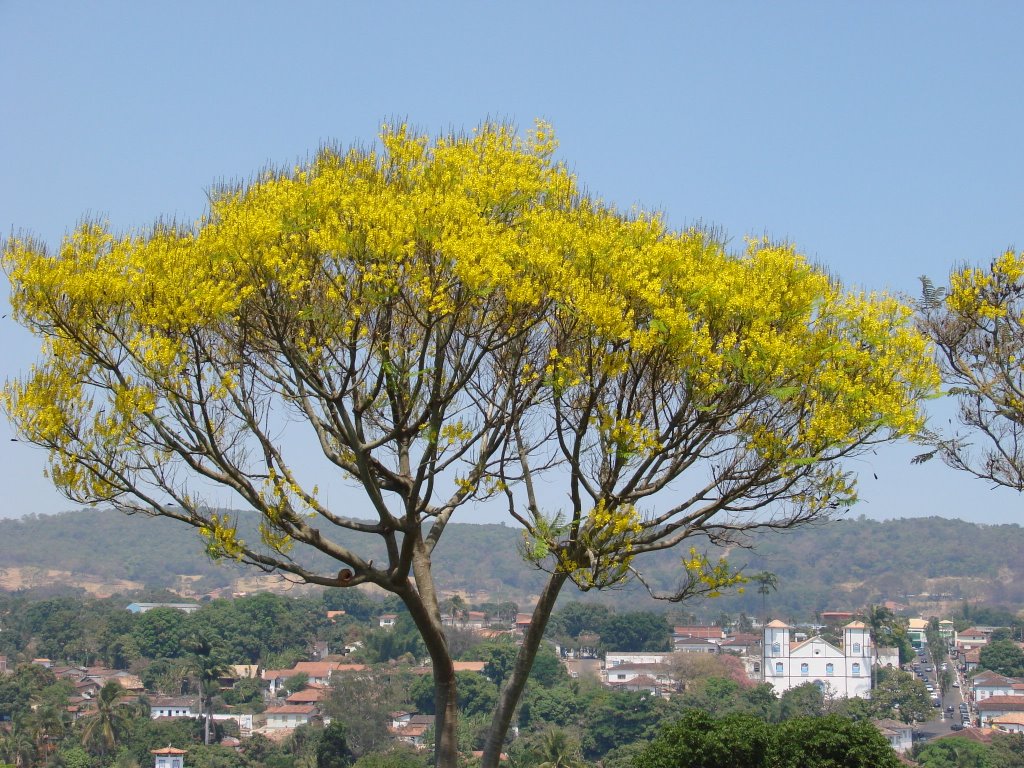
(448, 321)
(976, 325)
(1004, 657)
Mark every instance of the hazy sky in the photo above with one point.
(884, 139)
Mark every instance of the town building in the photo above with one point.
(844, 672)
(917, 630)
(900, 735)
(985, 685)
(1012, 722)
(996, 706)
(169, 757)
(289, 715)
(173, 706)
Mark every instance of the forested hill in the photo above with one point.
(841, 565)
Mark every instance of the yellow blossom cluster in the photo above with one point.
(710, 579)
(352, 278)
(986, 293)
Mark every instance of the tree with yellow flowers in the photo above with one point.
(452, 321)
(977, 328)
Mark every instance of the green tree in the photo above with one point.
(900, 694)
(447, 321)
(18, 747)
(332, 750)
(833, 742)
(700, 740)
(805, 700)
(1004, 657)
(362, 703)
(636, 631)
(614, 718)
(767, 582)
(500, 655)
(74, 757)
(105, 729)
(955, 752)
(557, 706)
(161, 633)
(557, 749)
(396, 757)
(881, 623)
(208, 669)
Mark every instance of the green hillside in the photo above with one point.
(842, 565)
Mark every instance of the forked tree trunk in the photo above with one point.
(513, 690)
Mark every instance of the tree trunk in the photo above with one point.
(422, 605)
(502, 718)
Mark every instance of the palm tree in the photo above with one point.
(208, 670)
(18, 747)
(48, 724)
(879, 620)
(107, 724)
(557, 750)
(766, 582)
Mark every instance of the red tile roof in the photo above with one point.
(1011, 703)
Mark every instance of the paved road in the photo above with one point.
(940, 724)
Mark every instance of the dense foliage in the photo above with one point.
(700, 740)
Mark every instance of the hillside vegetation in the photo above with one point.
(842, 565)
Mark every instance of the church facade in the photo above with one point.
(839, 672)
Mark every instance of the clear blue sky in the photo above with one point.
(884, 139)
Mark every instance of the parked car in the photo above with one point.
(956, 727)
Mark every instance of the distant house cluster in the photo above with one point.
(999, 701)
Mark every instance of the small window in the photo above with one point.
(757, 667)
(778, 668)
(856, 647)
(830, 669)
(804, 669)
(776, 648)
(856, 670)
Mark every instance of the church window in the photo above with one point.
(856, 647)
(830, 669)
(804, 669)
(778, 668)
(776, 648)
(856, 670)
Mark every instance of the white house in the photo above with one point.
(900, 735)
(615, 659)
(997, 706)
(624, 674)
(168, 757)
(289, 715)
(1011, 723)
(987, 684)
(173, 706)
(838, 672)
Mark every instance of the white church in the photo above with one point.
(839, 672)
